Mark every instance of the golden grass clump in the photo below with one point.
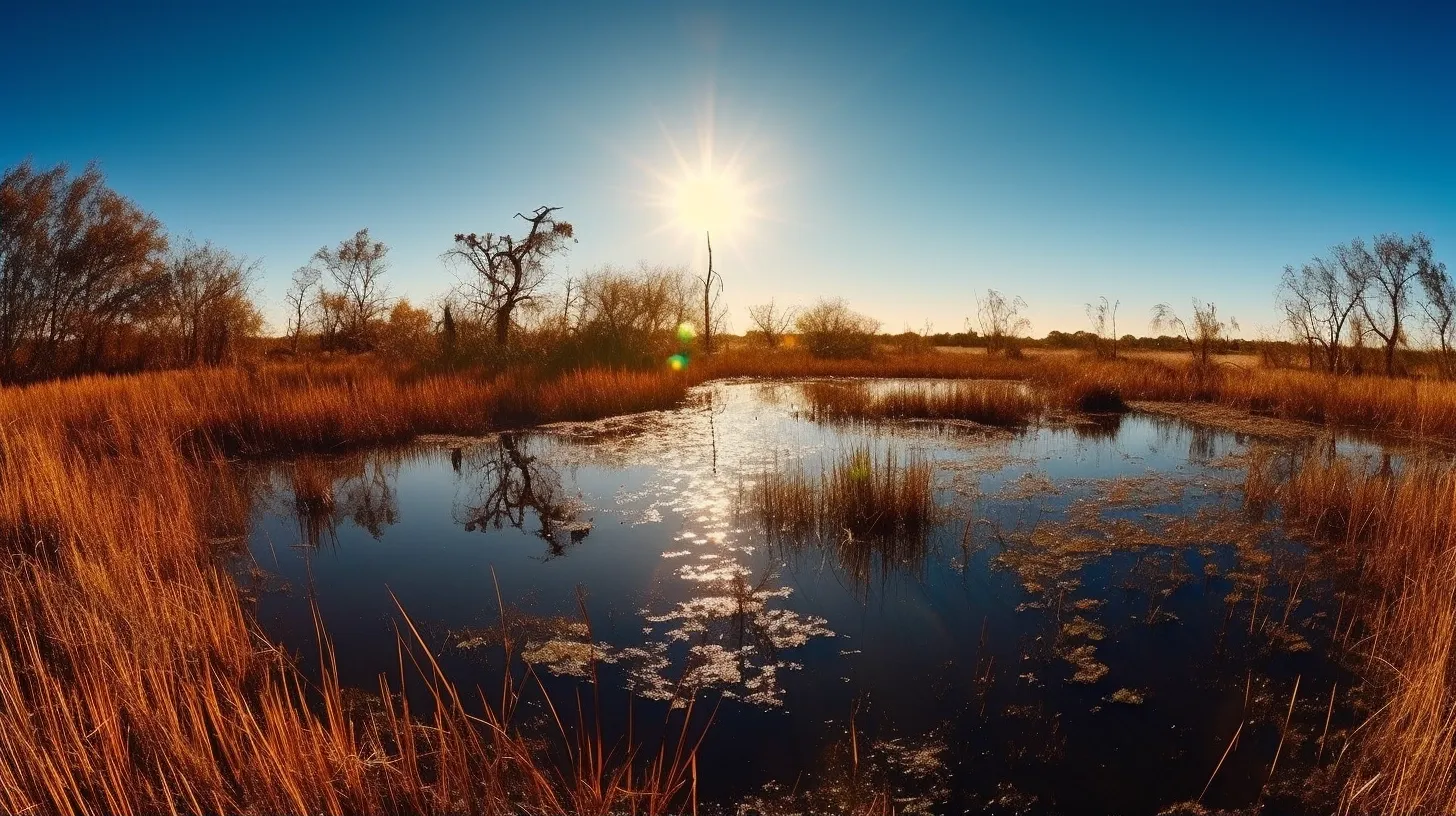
(858, 494)
(868, 506)
(986, 403)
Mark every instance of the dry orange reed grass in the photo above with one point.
(289, 408)
(867, 505)
(133, 682)
(1398, 529)
(987, 403)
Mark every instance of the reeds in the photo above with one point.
(300, 407)
(858, 493)
(986, 403)
(868, 506)
(1408, 406)
(1397, 530)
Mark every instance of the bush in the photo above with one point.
(831, 329)
(625, 318)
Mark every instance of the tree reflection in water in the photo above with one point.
(359, 488)
(511, 485)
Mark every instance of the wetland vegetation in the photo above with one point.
(1076, 569)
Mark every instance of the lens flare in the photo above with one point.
(686, 332)
(677, 362)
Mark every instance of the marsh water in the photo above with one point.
(1088, 619)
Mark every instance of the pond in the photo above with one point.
(1088, 618)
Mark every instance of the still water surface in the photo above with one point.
(1072, 635)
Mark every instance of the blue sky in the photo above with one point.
(905, 157)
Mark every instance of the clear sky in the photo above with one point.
(901, 157)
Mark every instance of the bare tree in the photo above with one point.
(712, 289)
(570, 299)
(1296, 298)
(208, 302)
(1393, 270)
(1103, 316)
(1359, 332)
(357, 267)
(300, 299)
(772, 322)
(1440, 309)
(1202, 332)
(508, 272)
(1320, 297)
(1001, 321)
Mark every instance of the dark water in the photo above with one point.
(1076, 633)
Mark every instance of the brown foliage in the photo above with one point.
(79, 268)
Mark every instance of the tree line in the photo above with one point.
(91, 283)
(1390, 294)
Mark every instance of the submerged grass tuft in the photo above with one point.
(868, 505)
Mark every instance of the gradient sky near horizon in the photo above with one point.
(902, 157)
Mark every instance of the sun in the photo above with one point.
(706, 193)
(709, 200)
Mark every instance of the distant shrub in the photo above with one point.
(830, 328)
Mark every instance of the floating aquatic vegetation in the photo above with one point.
(1084, 661)
(1080, 627)
(1126, 696)
(567, 657)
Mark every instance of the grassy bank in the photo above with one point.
(279, 409)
